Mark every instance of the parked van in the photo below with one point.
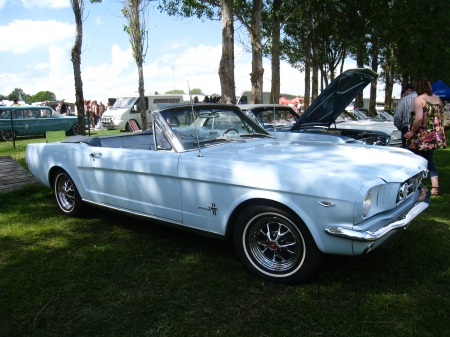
(246, 97)
(127, 108)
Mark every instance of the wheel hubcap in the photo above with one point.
(275, 243)
(66, 193)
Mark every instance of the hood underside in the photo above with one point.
(335, 98)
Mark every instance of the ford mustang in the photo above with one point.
(211, 169)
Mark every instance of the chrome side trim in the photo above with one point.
(368, 236)
(163, 221)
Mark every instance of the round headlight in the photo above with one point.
(367, 203)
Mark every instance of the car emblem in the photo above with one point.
(212, 208)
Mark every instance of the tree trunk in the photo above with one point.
(359, 103)
(307, 100)
(256, 76)
(315, 71)
(276, 28)
(78, 6)
(226, 67)
(142, 106)
(134, 11)
(390, 82)
(373, 84)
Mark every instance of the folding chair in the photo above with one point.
(55, 136)
(133, 125)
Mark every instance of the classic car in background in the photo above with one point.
(211, 169)
(26, 120)
(321, 117)
(278, 119)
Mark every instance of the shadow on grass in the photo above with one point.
(108, 274)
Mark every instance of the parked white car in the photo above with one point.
(209, 168)
(326, 117)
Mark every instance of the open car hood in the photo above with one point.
(335, 98)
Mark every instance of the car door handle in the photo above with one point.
(93, 154)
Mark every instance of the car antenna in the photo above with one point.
(193, 118)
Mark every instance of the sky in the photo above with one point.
(37, 37)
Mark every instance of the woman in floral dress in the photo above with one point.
(426, 132)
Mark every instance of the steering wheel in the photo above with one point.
(228, 130)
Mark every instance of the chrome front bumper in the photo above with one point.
(369, 236)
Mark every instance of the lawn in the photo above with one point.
(112, 275)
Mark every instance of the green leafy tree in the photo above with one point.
(42, 96)
(212, 10)
(196, 91)
(174, 91)
(17, 93)
(136, 13)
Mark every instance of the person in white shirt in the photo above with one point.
(403, 111)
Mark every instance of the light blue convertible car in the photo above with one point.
(209, 168)
(27, 120)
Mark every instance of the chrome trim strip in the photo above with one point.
(167, 132)
(154, 218)
(368, 236)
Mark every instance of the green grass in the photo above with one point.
(112, 275)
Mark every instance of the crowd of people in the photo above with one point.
(207, 99)
(94, 110)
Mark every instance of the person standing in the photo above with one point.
(94, 113)
(15, 102)
(426, 132)
(63, 107)
(403, 112)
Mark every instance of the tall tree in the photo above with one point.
(256, 76)
(78, 8)
(226, 67)
(212, 10)
(135, 11)
(247, 12)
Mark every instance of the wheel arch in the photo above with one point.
(259, 202)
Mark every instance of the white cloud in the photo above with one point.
(45, 3)
(21, 36)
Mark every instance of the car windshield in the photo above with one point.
(346, 116)
(275, 116)
(385, 115)
(124, 102)
(207, 126)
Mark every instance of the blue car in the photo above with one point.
(210, 169)
(27, 120)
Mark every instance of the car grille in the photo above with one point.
(410, 186)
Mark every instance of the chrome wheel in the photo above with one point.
(65, 192)
(273, 243)
(67, 196)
